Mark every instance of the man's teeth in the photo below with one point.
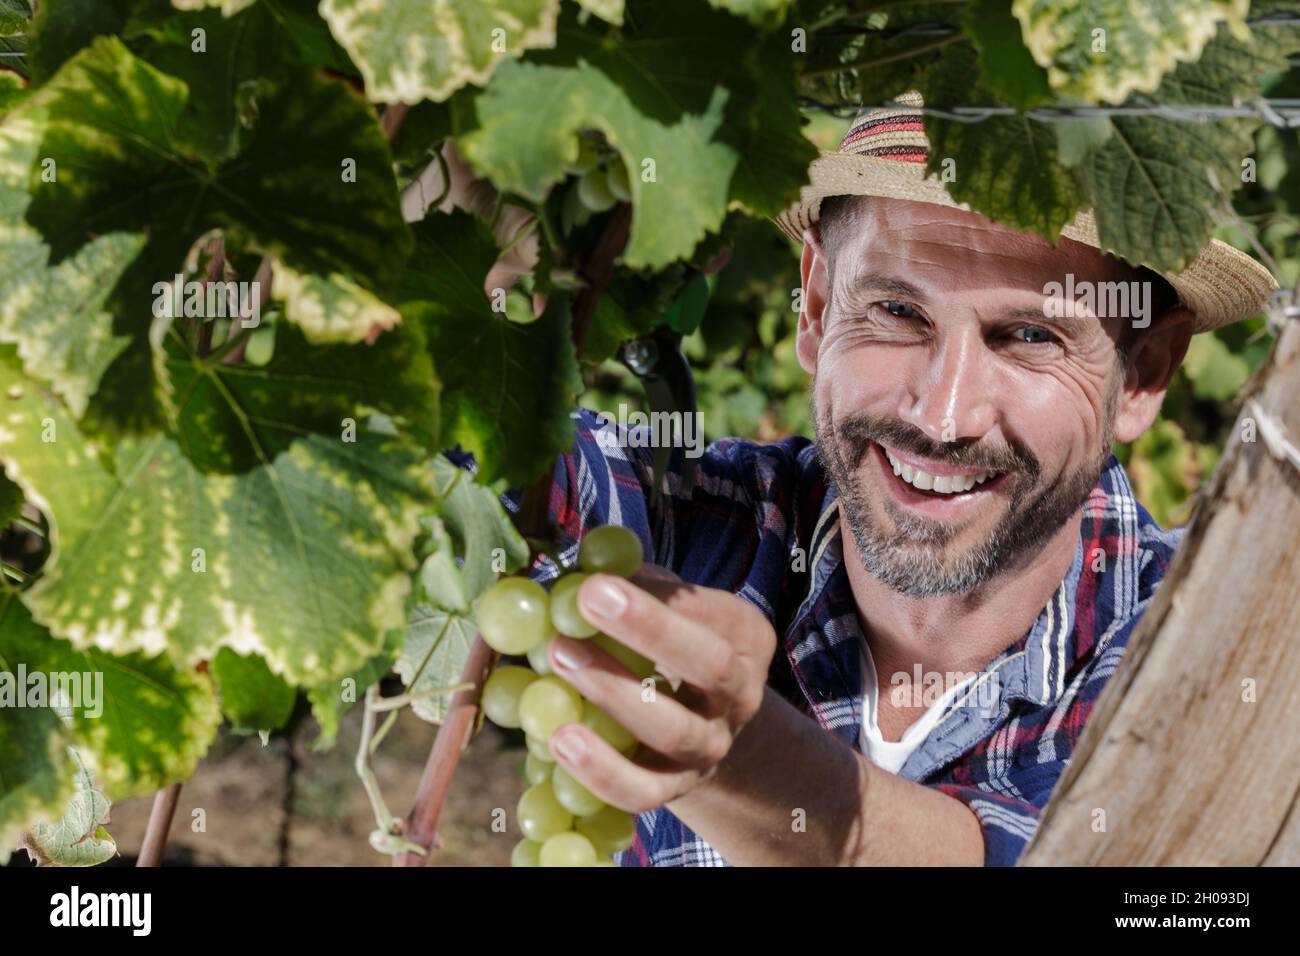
(944, 484)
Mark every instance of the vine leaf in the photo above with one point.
(1104, 50)
(37, 777)
(1006, 167)
(79, 838)
(139, 723)
(305, 560)
(330, 701)
(330, 308)
(1155, 182)
(55, 316)
(1007, 69)
(676, 128)
(437, 645)
(412, 51)
(252, 698)
(235, 417)
(507, 388)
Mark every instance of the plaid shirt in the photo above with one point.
(763, 522)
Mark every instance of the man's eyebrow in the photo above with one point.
(884, 284)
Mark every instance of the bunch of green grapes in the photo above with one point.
(563, 823)
(602, 181)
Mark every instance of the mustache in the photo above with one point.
(857, 432)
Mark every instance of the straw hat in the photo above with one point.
(885, 152)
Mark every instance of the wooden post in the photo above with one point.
(1192, 755)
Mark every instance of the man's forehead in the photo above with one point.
(924, 239)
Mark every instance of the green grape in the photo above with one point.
(537, 770)
(588, 156)
(610, 830)
(593, 191)
(604, 863)
(567, 849)
(572, 795)
(607, 728)
(611, 549)
(565, 616)
(540, 816)
(519, 307)
(539, 749)
(514, 615)
(261, 346)
(501, 693)
(547, 704)
(616, 180)
(539, 658)
(640, 666)
(525, 853)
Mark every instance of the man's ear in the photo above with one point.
(1153, 358)
(815, 278)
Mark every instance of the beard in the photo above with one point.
(917, 556)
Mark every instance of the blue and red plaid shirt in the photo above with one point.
(762, 521)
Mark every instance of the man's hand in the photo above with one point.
(714, 647)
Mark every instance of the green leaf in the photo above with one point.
(1103, 50)
(433, 657)
(411, 51)
(508, 388)
(235, 417)
(56, 316)
(305, 561)
(330, 308)
(329, 702)
(1151, 180)
(656, 94)
(688, 311)
(1216, 372)
(112, 118)
(79, 839)
(63, 27)
(252, 698)
(609, 10)
(480, 529)
(35, 772)
(1005, 167)
(1007, 69)
(773, 153)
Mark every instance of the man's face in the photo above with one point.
(961, 425)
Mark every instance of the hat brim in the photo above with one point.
(1221, 286)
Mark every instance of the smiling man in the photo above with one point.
(885, 644)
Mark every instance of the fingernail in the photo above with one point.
(570, 747)
(604, 599)
(571, 654)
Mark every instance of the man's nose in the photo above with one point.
(952, 395)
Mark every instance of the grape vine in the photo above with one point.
(264, 270)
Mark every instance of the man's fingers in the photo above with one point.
(611, 776)
(660, 722)
(635, 617)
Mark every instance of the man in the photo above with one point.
(885, 645)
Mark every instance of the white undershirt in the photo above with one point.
(890, 754)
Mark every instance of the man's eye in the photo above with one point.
(1033, 335)
(899, 309)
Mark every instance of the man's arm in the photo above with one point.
(791, 794)
(726, 753)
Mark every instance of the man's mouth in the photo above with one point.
(954, 483)
(938, 490)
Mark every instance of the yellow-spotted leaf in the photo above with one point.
(79, 837)
(305, 560)
(1103, 50)
(330, 308)
(413, 50)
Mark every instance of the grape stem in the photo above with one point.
(160, 821)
